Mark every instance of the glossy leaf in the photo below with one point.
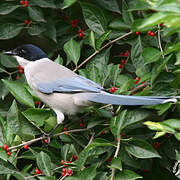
(44, 163)
(94, 18)
(119, 24)
(68, 3)
(127, 175)
(36, 14)
(19, 91)
(7, 8)
(72, 50)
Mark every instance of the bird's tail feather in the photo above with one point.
(107, 98)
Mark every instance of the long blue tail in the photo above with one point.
(107, 98)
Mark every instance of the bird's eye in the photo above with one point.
(22, 52)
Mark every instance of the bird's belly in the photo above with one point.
(64, 102)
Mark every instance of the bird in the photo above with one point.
(66, 92)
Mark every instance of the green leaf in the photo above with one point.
(88, 173)
(172, 48)
(72, 50)
(94, 18)
(8, 61)
(139, 5)
(68, 3)
(177, 155)
(37, 115)
(117, 122)
(116, 163)
(141, 149)
(6, 167)
(92, 40)
(101, 39)
(127, 175)
(59, 60)
(136, 53)
(111, 5)
(173, 123)
(44, 163)
(9, 30)
(44, 4)
(13, 119)
(7, 8)
(150, 55)
(36, 14)
(19, 91)
(36, 29)
(119, 24)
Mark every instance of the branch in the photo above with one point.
(44, 137)
(97, 51)
(133, 91)
(115, 155)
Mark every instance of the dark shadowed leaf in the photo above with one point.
(68, 3)
(9, 30)
(141, 149)
(7, 8)
(36, 14)
(127, 175)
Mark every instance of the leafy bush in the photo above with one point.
(129, 47)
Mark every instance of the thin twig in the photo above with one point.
(159, 43)
(115, 155)
(92, 137)
(44, 137)
(97, 51)
(133, 91)
(63, 177)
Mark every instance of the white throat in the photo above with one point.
(22, 62)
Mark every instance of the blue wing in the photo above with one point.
(73, 84)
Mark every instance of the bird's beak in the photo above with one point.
(9, 53)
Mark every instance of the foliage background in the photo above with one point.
(113, 142)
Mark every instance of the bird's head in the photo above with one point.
(26, 53)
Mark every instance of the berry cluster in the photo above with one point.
(150, 33)
(112, 90)
(80, 33)
(137, 79)
(6, 148)
(74, 23)
(37, 171)
(123, 54)
(24, 3)
(66, 170)
(20, 70)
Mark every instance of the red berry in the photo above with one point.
(26, 22)
(26, 4)
(121, 54)
(63, 174)
(152, 34)
(36, 103)
(137, 79)
(81, 124)
(137, 33)
(64, 170)
(8, 153)
(17, 77)
(108, 159)
(73, 24)
(21, 71)
(161, 24)
(143, 82)
(18, 67)
(37, 171)
(156, 145)
(80, 31)
(80, 35)
(46, 141)
(120, 66)
(103, 132)
(5, 147)
(62, 161)
(64, 129)
(123, 61)
(69, 172)
(126, 53)
(75, 157)
(21, 2)
(149, 33)
(26, 146)
(112, 90)
(76, 21)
